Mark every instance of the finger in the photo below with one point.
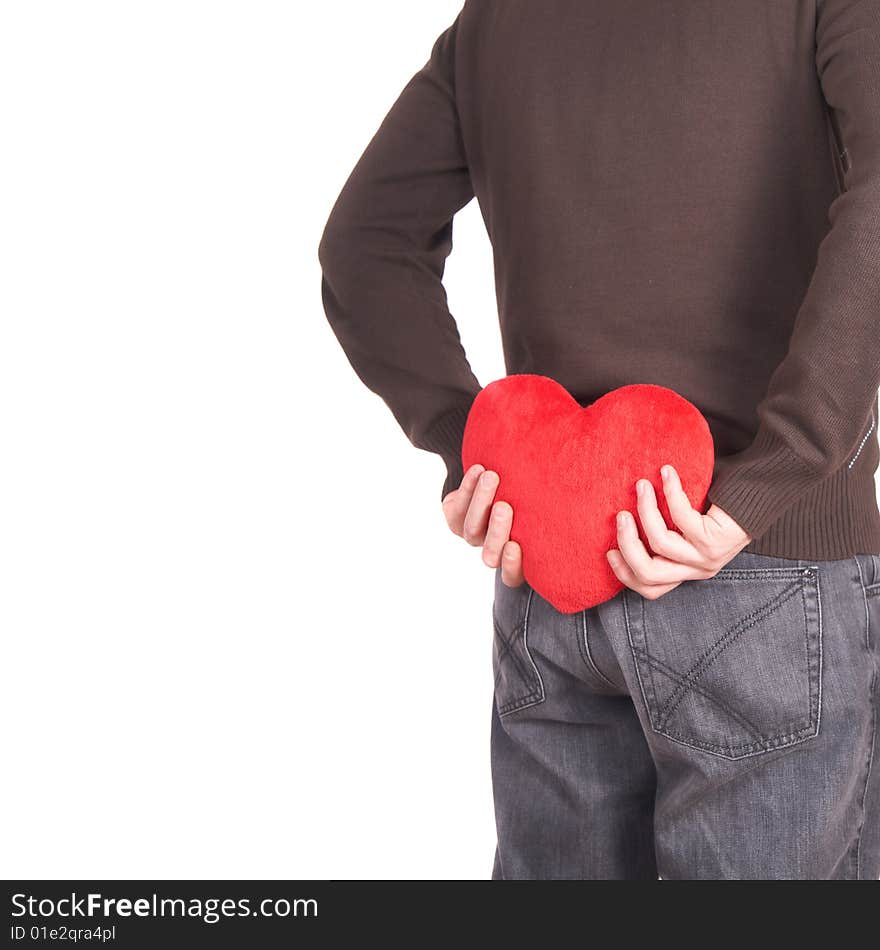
(725, 525)
(498, 533)
(684, 516)
(455, 503)
(647, 569)
(663, 541)
(476, 519)
(511, 564)
(625, 575)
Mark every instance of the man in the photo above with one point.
(686, 194)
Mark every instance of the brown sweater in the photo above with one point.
(684, 193)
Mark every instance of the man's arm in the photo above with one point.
(383, 253)
(818, 402)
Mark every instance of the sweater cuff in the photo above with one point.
(756, 486)
(444, 437)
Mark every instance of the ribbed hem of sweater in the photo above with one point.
(827, 519)
(754, 486)
(838, 518)
(444, 437)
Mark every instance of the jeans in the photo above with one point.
(723, 731)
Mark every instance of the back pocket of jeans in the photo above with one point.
(732, 665)
(518, 683)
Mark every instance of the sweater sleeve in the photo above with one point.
(819, 399)
(383, 253)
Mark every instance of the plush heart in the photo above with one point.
(567, 470)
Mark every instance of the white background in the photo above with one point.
(238, 639)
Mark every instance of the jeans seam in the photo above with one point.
(762, 573)
(725, 752)
(870, 765)
(538, 693)
(796, 731)
(648, 684)
(587, 655)
(815, 680)
(653, 678)
(705, 662)
(638, 671)
(746, 749)
(507, 652)
(871, 689)
(743, 720)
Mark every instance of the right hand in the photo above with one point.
(473, 514)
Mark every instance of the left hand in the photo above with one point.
(706, 543)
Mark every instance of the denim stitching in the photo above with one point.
(654, 692)
(815, 658)
(629, 635)
(870, 762)
(744, 750)
(538, 694)
(793, 728)
(586, 654)
(527, 681)
(705, 662)
(798, 734)
(506, 644)
(506, 651)
(739, 717)
(725, 574)
(870, 765)
(724, 752)
(760, 573)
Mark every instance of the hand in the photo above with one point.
(473, 514)
(706, 544)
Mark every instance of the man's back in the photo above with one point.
(656, 180)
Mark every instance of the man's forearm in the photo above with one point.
(819, 400)
(383, 254)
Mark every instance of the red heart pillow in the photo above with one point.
(568, 470)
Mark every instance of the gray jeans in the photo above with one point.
(724, 731)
